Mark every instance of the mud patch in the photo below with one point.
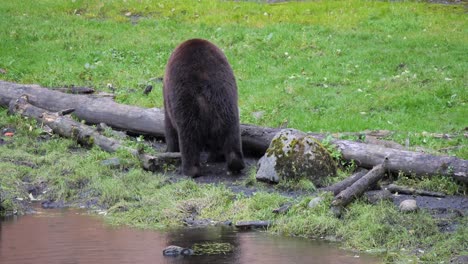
(447, 211)
(459, 203)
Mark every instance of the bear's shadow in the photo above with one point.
(211, 172)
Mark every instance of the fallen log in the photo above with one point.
(360, 186)
(255, 140)
(342, 185)
(282, 209)
(408, 162)
(76, 90)
(94, 109)
(405, 190)
(86, 135)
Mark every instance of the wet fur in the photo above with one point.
(200, 106)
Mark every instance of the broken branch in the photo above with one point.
(360, 186)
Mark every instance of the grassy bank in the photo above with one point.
(325, 66)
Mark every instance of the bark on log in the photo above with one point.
(360, 186)
(86, 135)
(342, 185)
(408, 162)
(94, 109)
(76, 90)
(405, 190)
(255, 140)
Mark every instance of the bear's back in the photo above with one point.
(200, 87)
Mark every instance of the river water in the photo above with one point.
(73, 237)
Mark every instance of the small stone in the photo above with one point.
(176, 251)
(315, 202)
(52, 204)
(408, 205)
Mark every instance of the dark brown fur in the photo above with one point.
(200, 106)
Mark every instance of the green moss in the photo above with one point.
(212, 248)
(299, 156)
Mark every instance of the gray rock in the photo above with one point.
(266, 169)
(293, 155)
(408, 205)
(315, 202)
(460, 259)
(177, 251)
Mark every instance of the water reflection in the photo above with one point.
(71, 236)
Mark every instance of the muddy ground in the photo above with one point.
(446, 210)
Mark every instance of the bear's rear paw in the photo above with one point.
(193, 171)
(235, 163)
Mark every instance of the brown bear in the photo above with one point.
(200, 107)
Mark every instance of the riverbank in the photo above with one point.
(58, 172)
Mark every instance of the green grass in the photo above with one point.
(323, 66)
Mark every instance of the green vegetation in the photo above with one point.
(325, 66)
(211, 248)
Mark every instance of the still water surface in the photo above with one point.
(73, 237)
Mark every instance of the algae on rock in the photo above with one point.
(293, 155)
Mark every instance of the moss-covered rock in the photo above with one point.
(293, 155)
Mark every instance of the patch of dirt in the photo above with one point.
(447, 211)
(459, 203)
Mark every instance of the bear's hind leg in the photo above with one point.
(233, 154)
(190, 152)
(172, 139)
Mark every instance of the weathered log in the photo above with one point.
(360, 186)
(76, 90)
(255, 140)
(405, 190)
(283, 208)
(342, 185)
(86, 135)
(94, 109)
(408, 162)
